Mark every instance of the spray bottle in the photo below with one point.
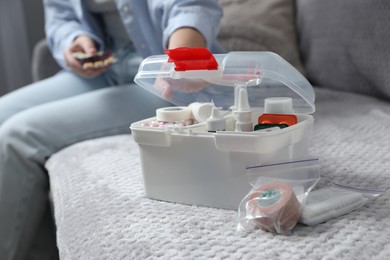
(243, 113)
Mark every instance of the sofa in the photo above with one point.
(343, 48)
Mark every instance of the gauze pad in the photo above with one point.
(326, 203)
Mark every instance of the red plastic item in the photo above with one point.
(287, 119)
(186, 58)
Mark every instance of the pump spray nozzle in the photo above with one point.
(243, 112)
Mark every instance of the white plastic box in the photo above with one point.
(188, 164)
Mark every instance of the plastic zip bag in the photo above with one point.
(331, 202)
(278, 194)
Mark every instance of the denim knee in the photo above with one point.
(21, 136)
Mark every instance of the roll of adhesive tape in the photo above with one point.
(173, 114)
(274, 206)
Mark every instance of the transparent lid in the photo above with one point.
(188, 78)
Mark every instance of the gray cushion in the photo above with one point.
(101, 211)
(346, 44)
(43, 64)
(265, 25)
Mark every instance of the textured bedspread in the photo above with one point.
(101, 212)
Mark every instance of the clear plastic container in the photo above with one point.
(265, 73)
(186, 163)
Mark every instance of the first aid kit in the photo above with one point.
(229, 111)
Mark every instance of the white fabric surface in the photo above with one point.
(101, 212)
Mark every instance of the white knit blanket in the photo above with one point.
(101, 211)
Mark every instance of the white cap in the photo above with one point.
(216, 122)
(278, 105)
(243, 102)
(201, 111)
(243, 114)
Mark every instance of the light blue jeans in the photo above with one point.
(42, 118)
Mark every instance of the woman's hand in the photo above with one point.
(186, 37)
(182, 37)
(82, 44)
(167, 86)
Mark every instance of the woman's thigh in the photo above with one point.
(57, 124)
(62, 85)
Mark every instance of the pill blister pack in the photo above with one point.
(93, 61)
